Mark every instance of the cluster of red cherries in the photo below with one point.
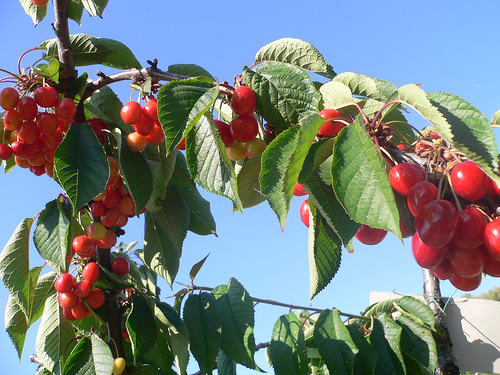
(34, 126)
(144, 119)
(76, 297)
(455, 244)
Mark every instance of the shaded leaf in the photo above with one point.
(81, 165)
(90, 356)
(106, 105)
(95, 7)
(190, 70)
(196, 268)
(366, 358)
(386, 339)
(248, 182)
(141, 325)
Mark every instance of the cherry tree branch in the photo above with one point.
(61, 29)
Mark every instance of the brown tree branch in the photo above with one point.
(61, 29)
(435, 302)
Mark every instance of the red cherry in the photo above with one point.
(465, 284)
(65, 108)
(244, 128)
(91, 272)
(12, 120)
(67, 300)
(422, 193)
(136, 142)
(9, 98)
(96, 299)
(40, 3)
(225, 132)
(304, 212)
(131, 113)
(99, 127)
(109, 240)
(405, 233)
(111, 198)
(19, 148)
(120, 266)
(97, 208)
(492, 238)
(125, 334)
(110, 217)
(157, 136)
(182, 144)
(46, 96)
(68, 314)
(237, 151)
(47, 122)
(96, 231)
(491, 265)
(443, 271)
(370, 236)
(64, 282)
(331, 128)
(436, 223)
(427, 256)
(5, 152)
(469, 181)
(299, 191)
(126, 205)
(145, 126)
(83, 288)
(28, 132)
(466, 262)
(150, 110)
(470, 228)
(404, 176)
(80, 311)
(243, 101)
(84, 246)
(27, 108)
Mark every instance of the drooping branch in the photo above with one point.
(61, 29)
(436, 303)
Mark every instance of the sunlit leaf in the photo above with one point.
(36, 13)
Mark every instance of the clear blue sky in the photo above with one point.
(449, 46)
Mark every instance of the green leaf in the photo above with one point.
(159, 357)
(471, 131)
(75, 11)
(362, 85)
(181, 104)
(282, 162)
(141, 325)
(334, 343)
(366, 358)
(161, 166)
(135, 172)
(14, 266)
(81, 165)
(201, 220)
(55, 337)
(297, 52)
(145, 369)
(169, 321)
(36, 13)
(189, 70)
(90, 356)
(325, 252)
(106, 105)
(418, 343)
(89, 50)
(237, 316)
(287, 352)
(360, 180)
(225, 365)
(336, 95)
(319, 187)
(95, 7)
(318, 153)
(209, 162)
(418, 311)
(285, 93)
(386, 339)
(248, 182)
(203, 323)
(495, 119)
(51, 234)
(16, 324)
(196, 268)
(164, 234)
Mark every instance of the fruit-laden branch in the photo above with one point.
(435, 302)
(61, 29)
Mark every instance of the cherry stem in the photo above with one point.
(24, 54)
(365, 118)
(384, 107)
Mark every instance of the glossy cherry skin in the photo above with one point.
(370, 236)
(225, 132)
(427, 256)
(491, 265)
(131, 113)
(422, 193)
(299, 191)
(96, 299)
(404, 176)
(244, 128)
(443, 271)
(330, 128)
(46, 96)
(469, 181)
(470, 229)
(120, 266)
(67, 300)
(243, 101)
(304, 212)
(465, 284)
(64, 282)
(84, 246)
(5, 152)
(466, 262)
(91, 272)
(436, 223)
(9, 98)
(492, 238)
(83, 288)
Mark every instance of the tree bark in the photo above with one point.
(432, 293)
